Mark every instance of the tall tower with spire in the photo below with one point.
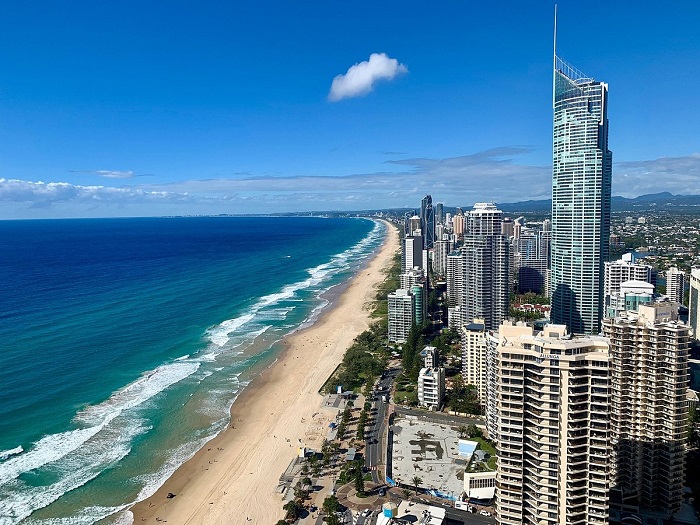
(581, 186)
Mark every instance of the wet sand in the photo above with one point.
(234, 478)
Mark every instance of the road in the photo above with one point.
(375, 435)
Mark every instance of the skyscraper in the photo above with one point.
(485, 263)
(552, 406)
(694, 302)
(439, 214)
(427, 221)
(581, 181)
(649, 413)
(675, 284)
(401, 315)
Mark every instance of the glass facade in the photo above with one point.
(581, 186)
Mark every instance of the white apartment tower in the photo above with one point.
(401, 315)
(431, 387)
(649, 413)
(441, 249)
(675, 284)
(553, 406)
(624, 269)
(430, 357)
(473, 344)
(413, 252)
(694, 302)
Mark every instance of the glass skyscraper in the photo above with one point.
(581, 181)
(427, 221)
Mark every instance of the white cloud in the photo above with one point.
(678, 175)
(360, 78)
(110, 174)
(497, 174)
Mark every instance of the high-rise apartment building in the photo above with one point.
(630, 296)
(455, 279)
(439, 214)
(694, 302)
(427, 221)
(507, 227)
(412, 255)
(485, 263)
(458, 225)
(675, 284)
(484, 219)
(581, 185)
(624, 269)
(473, 346)
(649, 412)
(401, 315)
(441, 249)
(531, 259)
(553, 427)
(431, 387)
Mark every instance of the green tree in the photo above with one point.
(474, 432)
(332, 519)
(331, 505)
(359, 480)
(293, 509)
(416, 481)
(462, 431)
(406, 493)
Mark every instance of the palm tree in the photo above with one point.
(406, 493)
(416, 482)
(462, 430)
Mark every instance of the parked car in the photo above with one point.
(484, 513)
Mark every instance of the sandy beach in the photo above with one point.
(234, 478)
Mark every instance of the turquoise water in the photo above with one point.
(125, 341)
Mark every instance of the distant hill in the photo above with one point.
(651, 201)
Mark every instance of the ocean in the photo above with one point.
(124, 342)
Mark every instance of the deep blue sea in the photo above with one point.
(123, 343)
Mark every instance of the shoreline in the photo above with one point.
(236, 474)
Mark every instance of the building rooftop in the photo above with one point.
(414, 513)
(429, 451)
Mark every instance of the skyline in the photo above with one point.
(271, 108)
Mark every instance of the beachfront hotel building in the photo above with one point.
(401, 315)
(581, 186)
(649, 410)
(553, 405)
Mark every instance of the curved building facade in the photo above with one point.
(581, 186)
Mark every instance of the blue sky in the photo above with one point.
(159, 108)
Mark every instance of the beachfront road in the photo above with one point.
(375, 436)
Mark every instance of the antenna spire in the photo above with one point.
(554, 60)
